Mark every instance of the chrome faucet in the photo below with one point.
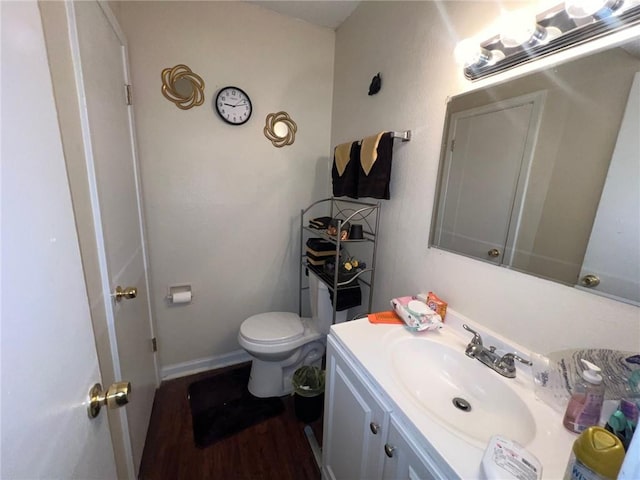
(504, 365)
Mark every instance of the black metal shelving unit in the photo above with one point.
(343, 210)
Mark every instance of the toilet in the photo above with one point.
(281, 342)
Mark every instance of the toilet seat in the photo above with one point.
(272, 328)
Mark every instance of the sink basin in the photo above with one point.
(460, 392)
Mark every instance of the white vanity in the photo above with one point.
(400, 404)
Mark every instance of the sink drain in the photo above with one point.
(461, 404)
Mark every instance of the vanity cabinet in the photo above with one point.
(363, 438)
(355, 423)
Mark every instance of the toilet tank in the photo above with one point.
(321, 307)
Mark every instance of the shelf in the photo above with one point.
(322, 234)
(344, 210)
(328, 278)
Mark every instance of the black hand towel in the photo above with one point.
(347, 183)
(347, 297)
(376, 183)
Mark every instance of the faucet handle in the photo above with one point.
(508, 359)
(477, 339)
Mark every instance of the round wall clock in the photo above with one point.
(233, 105)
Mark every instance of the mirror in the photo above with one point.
(540, 174)
(182, 87)
(280, 129)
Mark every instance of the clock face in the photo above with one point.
(233, 105)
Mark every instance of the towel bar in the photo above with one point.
(405, 136)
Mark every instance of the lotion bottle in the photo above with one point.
(585, 405)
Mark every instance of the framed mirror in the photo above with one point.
(280, 129)
(182, 87)
(541, 174)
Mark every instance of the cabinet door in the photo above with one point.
(402, 459)
(355, 424)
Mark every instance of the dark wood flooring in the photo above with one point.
(277, 448)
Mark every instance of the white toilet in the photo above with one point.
(280, 342)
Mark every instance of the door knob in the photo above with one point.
(375, 428)
(590, 281)
(116, 396)
(129, 292)
(494, 252)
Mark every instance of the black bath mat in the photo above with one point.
(221, 406)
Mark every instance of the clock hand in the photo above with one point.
(229, 105)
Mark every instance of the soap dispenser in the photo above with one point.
(585, 405)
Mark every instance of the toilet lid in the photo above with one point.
(272, 327)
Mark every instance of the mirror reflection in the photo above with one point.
(182, 86)
(541, 174)
(280, 129)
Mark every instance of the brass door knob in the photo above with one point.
(116, 396)
(129, 292)
(494, 252)
(590, 281)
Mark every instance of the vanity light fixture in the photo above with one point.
(597, 9)
(525, 37)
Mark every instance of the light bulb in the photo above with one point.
(520, 28)
(591, 8)
(469, 53)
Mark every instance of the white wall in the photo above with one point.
(412, 44)
(222, 204)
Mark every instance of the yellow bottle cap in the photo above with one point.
(600, 450)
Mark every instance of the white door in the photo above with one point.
(490, 145)
(100, 60)
(613, 252)
(49, 359)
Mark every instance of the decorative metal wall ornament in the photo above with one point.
(376, 84)
(183, 87)
(280, 129)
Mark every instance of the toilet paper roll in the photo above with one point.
(181, 297)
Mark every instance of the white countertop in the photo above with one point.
(369, 345)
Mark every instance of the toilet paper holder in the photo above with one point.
(179, 294)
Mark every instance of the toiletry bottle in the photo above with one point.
(585, 405)
(596, 455)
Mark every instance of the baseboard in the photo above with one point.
(203, 364)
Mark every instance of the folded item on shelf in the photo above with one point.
(321, 245)
(415, 314)
(313, 261)
(320, 255)
(320, 222)
(348, 297)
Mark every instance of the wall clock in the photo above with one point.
(233, 105)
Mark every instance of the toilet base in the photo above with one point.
(273, 379)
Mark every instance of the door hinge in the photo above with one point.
(154, 344)
(453, 142)
(128, 94)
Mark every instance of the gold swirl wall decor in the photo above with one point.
(280, 129)
(182, 87)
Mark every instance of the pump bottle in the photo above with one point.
(585, 405)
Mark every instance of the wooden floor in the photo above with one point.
(274, 449)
